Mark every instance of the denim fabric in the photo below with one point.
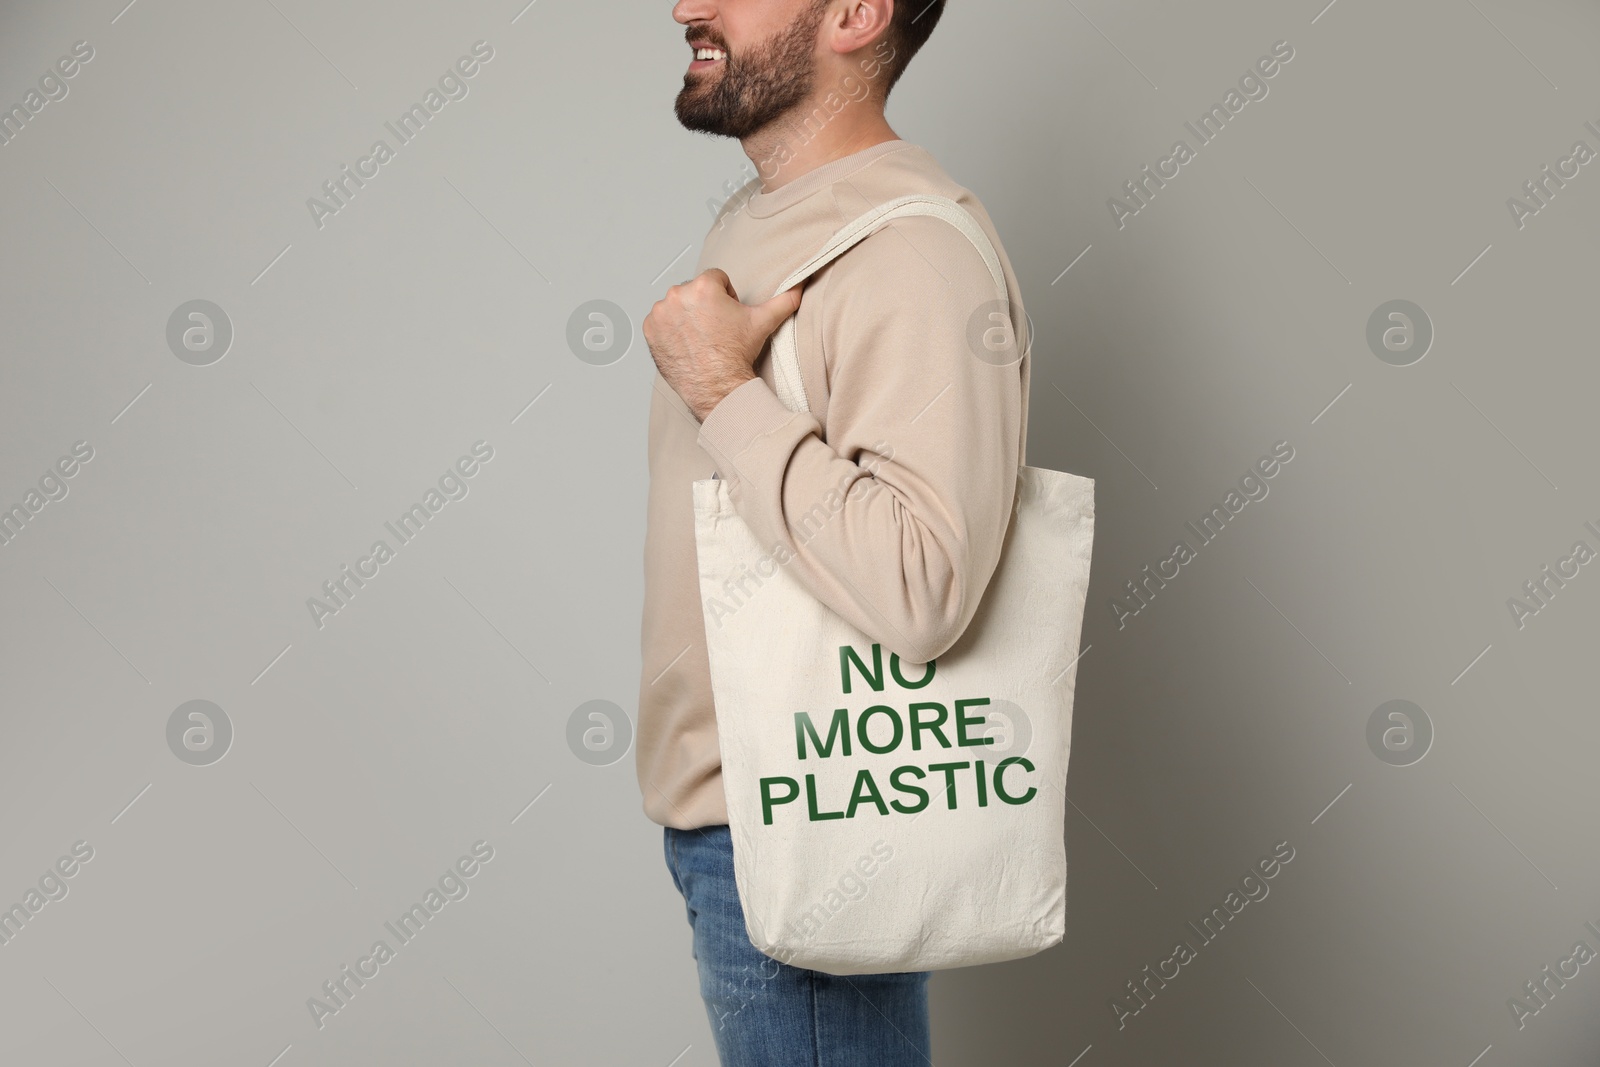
(765, 1013)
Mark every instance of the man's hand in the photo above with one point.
(705, 342)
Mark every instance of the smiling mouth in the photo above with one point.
(706, 56)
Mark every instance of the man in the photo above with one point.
(902, 399)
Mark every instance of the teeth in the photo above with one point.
(710, 53)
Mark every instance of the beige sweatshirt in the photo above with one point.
(901, 392)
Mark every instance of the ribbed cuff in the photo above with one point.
(748, 413)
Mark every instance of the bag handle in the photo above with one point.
(785, 354)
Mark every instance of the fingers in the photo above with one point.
(718, 276)
(767, 317)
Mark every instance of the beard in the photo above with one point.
(755, 87)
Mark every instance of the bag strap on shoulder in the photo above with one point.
(785, 354)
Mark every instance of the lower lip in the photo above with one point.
(702, 64)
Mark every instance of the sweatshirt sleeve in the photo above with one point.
(893, 514)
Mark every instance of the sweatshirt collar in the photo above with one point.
(764, 205)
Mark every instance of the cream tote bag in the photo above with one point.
(892, 816)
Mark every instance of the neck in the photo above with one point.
(788, 147)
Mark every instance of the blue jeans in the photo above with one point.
(765, 1013)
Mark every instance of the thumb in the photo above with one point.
(767, 317)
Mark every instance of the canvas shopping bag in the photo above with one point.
(892, 816)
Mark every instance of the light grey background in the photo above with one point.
(369, 354)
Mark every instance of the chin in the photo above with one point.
(696, 121)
